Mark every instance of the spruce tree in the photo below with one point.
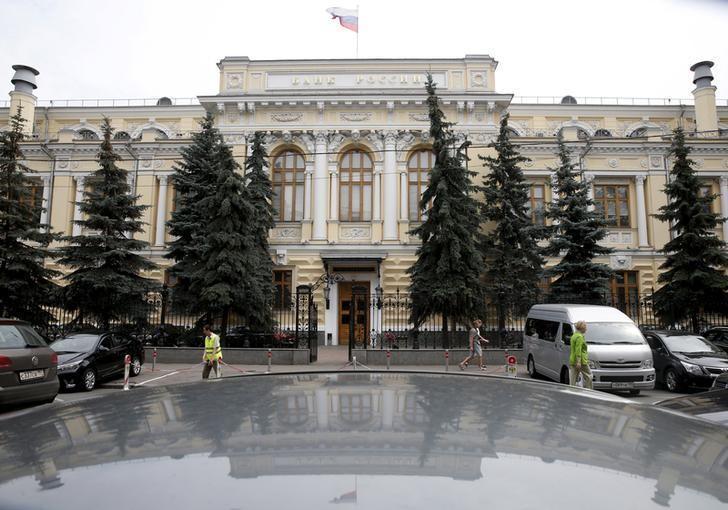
(575, 238)
(693, 276)
(25, 282)
(225, 279)
(105, 282)
(193, 179)
(259, 193)
(446, 278)
(513, 257)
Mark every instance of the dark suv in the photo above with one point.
(27, 365)
(87, 358)
(685, 360)
(718, 336)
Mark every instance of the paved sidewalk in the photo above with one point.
(173, 373)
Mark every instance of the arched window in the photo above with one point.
(418, 167)
(122, 135)
(355, 186)
(602, 133)
(288, 175)
(512, 133)
(638, 133)
(87, 134)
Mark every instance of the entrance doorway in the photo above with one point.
(348, 293)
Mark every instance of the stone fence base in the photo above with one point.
(376, 357)
(230, 355)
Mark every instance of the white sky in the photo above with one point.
(144, 49)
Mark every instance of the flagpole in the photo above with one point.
(357, 30)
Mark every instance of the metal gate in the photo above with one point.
(359, 319)
(306, 321)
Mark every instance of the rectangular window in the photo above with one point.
(706, 189)
(612, 201)
(34, 199)
(536, 205)
(282, 281)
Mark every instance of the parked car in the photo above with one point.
(708, 405)
(718, 336)
(619, 357)
(27, 365)
(684, 360)
(374, 439)
(85, 359)
(720, 382)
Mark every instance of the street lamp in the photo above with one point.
(380, 294)
(328, 280)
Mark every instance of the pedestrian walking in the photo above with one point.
(213, 353)
(579, 357)
(476, 348)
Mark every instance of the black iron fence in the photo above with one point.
(503, 327)
(157, 322)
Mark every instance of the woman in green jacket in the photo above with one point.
(579, 358)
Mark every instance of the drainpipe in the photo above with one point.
(52, 180)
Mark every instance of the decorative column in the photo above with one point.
(724, 203)
(641, 210)
(334, 177)
(389, 229)
(307, 181)
(45, 213)
(377, 201)
(403, 196)
(589, 178)
(161, 211)
(80, 183)
(320, 195)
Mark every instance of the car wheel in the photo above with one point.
(88, 379)
(531, 366)
(136, 366)
(671, 381)
(564, 378)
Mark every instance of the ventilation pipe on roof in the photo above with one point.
(22, 95)
(706, 112)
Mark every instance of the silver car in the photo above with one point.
(27, 365)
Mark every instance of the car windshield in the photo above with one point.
(75, 343)
(613, 333)
(19, 336)
(689, 344)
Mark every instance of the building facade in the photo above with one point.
(349, 154)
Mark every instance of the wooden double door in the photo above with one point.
(354, 304)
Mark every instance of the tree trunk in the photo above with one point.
(445, 333)
(224, 325)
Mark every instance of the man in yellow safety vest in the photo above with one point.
(213, 352)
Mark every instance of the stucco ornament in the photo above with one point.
(286, 117)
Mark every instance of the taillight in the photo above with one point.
(54, 359)
(5, 362)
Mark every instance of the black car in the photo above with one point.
(84, 359)
(366, 440)
(684, 360)
(27, 365)
(720, 382)
(718, 336)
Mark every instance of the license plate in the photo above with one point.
(29, 375)
(622, 385)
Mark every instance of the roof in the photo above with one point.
(391, 439)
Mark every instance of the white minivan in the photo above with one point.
(619, 356)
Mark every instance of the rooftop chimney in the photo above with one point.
(706, 113)
(24, 82)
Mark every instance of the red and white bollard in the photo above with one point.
(511, 369)
(447, 360)
(389, 356)
(154, 359)
(127, 365)
(270, 358)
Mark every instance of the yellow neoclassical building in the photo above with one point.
(350, 150)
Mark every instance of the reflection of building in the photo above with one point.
(376, 424)
(350, 150)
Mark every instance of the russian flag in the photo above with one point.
(349, 18)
